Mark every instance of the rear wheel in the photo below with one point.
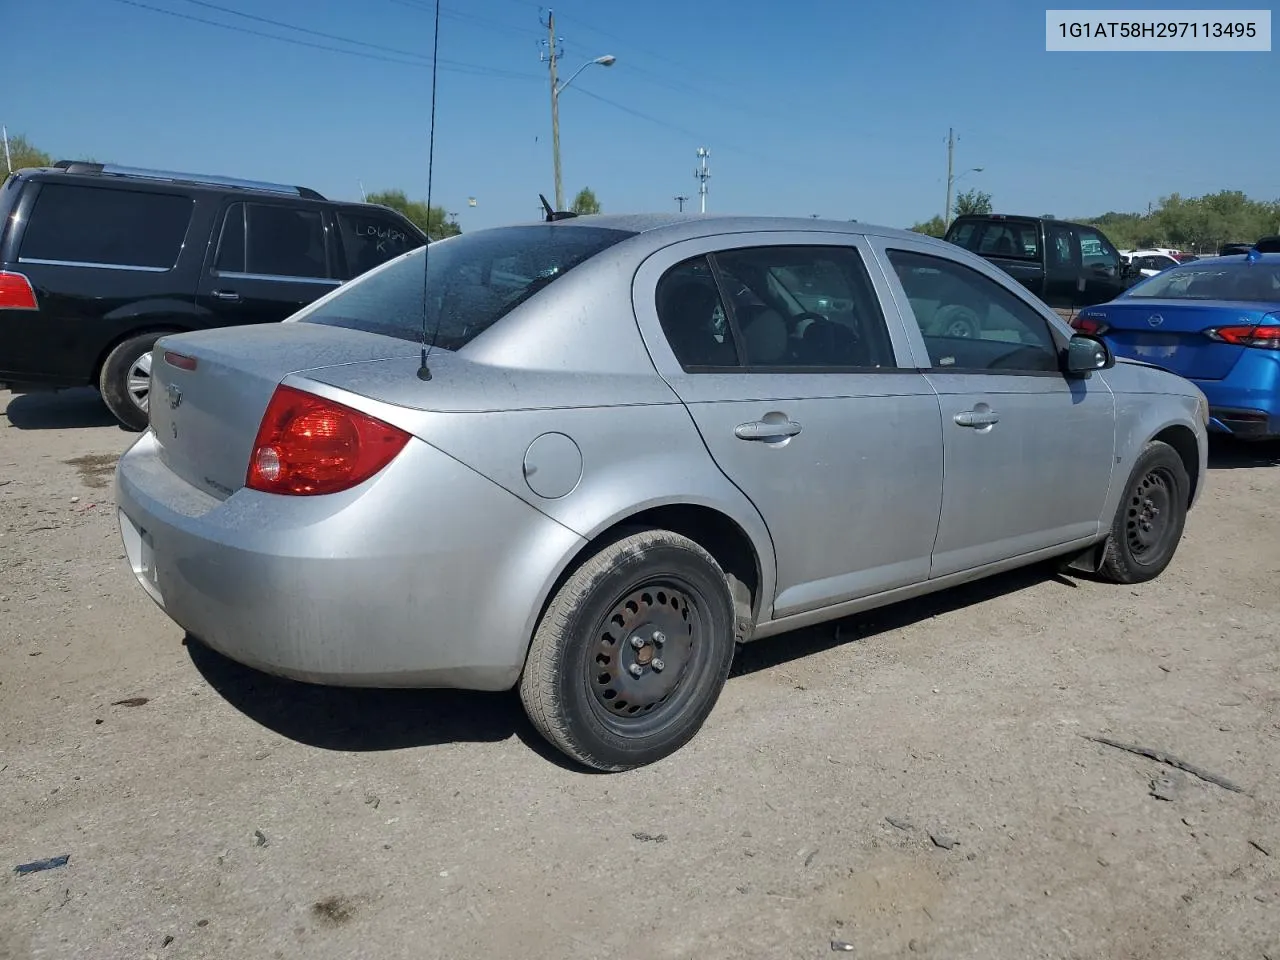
(125, 380)
(632, 652)
(1149, 521)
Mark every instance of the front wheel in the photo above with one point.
(632, 652)
(1149, 521)
(125, 380)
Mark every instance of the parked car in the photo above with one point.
(97, 262)
(1215, 321)
(1227, 249)
(1268, 244)
(1067, 265)
(594, 485)
(1149, 262)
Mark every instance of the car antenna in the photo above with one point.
(424, 372)
(554, 215)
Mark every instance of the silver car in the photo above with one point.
(628, 445)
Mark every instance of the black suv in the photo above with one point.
(98, 261)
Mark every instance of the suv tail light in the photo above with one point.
(1265, 336)
(308, 446)
(16, 292)
(1093, 325)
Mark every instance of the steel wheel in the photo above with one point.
(647, 643)
(1147, 520)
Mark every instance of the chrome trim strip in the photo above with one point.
(268, 276)
(94, 266)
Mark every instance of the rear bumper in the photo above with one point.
(1247, 402)
(426, 575)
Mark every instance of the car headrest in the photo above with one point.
(766, 337)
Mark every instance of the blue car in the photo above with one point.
(1214, 321)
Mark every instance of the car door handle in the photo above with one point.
(975, 418)
(764, 430)
(228, 295)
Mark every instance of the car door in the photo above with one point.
(1027, 451)
(818, 416)
(1063, 285)
(268, 260)
(1103, 278)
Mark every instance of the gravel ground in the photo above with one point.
(917, 784)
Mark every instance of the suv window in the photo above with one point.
(272, 240)
(1060, 252)
(789, 307)
(466, 291)
(370, 239)
(1012, 239)
(970, 322)
(74, 224)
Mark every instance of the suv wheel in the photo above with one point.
(125, 380)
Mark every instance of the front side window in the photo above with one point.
(970, 322)
(1097, 253)
(370, 239)
(123, 228)
(472, 281)
(1060, 252)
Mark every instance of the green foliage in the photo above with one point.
(933, 227)
(972, 201)
(434, 222)
(23, 154)
(1193, 223)
(585, 202)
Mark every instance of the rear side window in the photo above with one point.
(472, 281)
(370, 239)
(79, 225)
(273, 241)
(1011, 239)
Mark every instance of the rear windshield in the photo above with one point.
(472, 282)
(1239, 281)
(1012, 239)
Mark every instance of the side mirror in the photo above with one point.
(1086, 354)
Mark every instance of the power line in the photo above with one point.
(453, 66)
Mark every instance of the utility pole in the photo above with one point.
(364, 197)
(681, 201)
(951, 151)
(553, 58)
(8, 164)
(703, 175)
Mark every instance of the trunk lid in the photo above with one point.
(206, 418)
(1170, 333)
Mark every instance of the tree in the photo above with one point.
(933, 227)
(23, 154)
(972, 201)
(585, 202)
(434, 222)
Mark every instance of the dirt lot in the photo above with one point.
(233, 815)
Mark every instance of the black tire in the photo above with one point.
(1150, 518)
(653, 587)
(120, 380)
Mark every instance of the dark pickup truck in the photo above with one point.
(1067, 265)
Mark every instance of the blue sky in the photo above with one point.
(834, 107)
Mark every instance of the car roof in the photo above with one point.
(672, 226)
(1258, 257)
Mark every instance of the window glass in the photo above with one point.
(1238, 281)
(693, 316)
(466, 289)
(1097, 254)
(128, 228)
(1059, 253)
(369, 239)
(1011, 239)
(285, 242)
(230, 256)
(805, 306)
(969, 321)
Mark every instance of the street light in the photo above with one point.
(951, 182)
(608, 60)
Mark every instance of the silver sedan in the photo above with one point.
(588, 458)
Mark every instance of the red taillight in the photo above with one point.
(16, 292)
(179, 360)
(1265, 337)
(307, 446)
(1091, 326)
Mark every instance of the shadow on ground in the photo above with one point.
(61, 410)
(1228, 454)
(361, 720)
